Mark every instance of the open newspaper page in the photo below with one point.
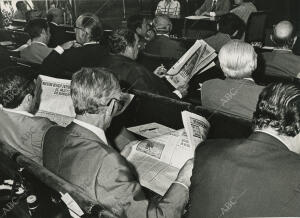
(196, 127)
(158, 160)
(198, 57)
(55, 100)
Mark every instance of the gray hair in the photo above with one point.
(237, 59)
(92, 89)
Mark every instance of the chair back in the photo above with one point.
(256, 27)
(151, 62)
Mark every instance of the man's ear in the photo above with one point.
(27, 101)
(272, 38)
(295, 39)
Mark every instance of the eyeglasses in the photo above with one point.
(117, 108)
(79, 28)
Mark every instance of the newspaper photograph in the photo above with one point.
(158, 160)
(55, 100)
(197, 59)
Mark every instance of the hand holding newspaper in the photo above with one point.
(158, 160)
(198, 58)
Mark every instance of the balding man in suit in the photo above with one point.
(281, 62)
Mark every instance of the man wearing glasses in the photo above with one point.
(81, 154)
(86, 51)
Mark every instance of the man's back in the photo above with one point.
(90, 55)
(23, 132)
(233, 96)
(163, 46)
(254, 177)
(35, 53)
(281, 63)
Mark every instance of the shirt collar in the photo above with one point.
(36, 42)
(98, 132)
(18, 112)
(162, 34)
(271, 134)
(54, 23)
(91, 43)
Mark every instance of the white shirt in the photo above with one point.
(17, 112)
(172, 8)
(36, 42)
(99, 132)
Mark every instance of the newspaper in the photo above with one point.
(56, 103)
(55, 100)
(198, 58)
(158, 160)
(151, 130)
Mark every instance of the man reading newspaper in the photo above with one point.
(158, 160)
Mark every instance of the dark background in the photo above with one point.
(111, 11)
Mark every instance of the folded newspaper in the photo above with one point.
(56, 103)
(197, 59)
(158, 160)
(55, 100)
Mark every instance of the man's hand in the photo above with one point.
(183, 89)
(197, 12)
(160, 71)
(68, 44)
(127, 149)
(185, 173)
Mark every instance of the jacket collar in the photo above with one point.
(82, 132)
(268, 140)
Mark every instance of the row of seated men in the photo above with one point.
(237, 94)
(256, 176)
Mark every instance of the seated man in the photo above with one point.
(124, 48)
(258, 176)
(244, 9)
(214, 8)
(20, 14)
(55, 18)
(38, 50)
(230, 26)
(18, 126)
(237, 94)
(89, 53)
(281, 62)
(81, 154)
(162, 45)
(170, 8)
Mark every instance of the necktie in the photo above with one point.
(214, 6)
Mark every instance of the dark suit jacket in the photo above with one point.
(58, 35)
(238, 97)
(223, 7)
(254, 177)
(80, 157)
(91, 55)
(281, 63)
(163, 46)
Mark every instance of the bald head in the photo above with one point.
(55, 15)
(162, 24)
(283, 34)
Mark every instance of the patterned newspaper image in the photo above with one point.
(153, 149)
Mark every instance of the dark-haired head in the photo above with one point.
(38, 28)
(278, 108)
(124, 42)
(137, 24)
(16, 88)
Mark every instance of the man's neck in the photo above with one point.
(92, 119)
